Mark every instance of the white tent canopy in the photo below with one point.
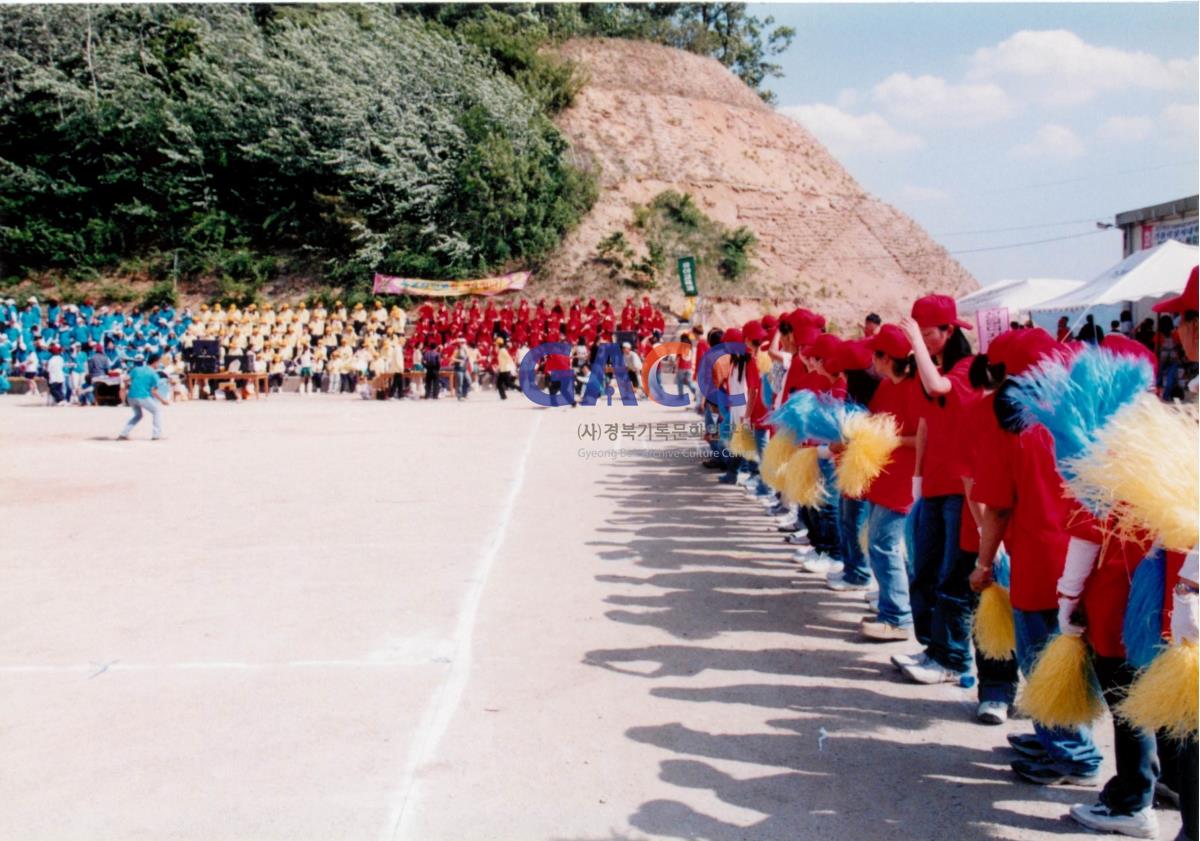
(1017, 296)
(1151, 274)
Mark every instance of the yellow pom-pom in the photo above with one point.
(775, 455)
(803, 483)
(763, 362)
(995, 636)
(870, 442)
(1060, 691)
(741, 443)
(1164, 696)
(1144, 471)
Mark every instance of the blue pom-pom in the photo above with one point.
(1001, 569)
(1142, 631)
(1074, 400)
(809, 416)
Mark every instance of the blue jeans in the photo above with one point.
(822, 522)
(885, 531)
(1132, 789)
(144, 404)
(935, 550)
(852, 514)
(760, 443)
(1067, 748)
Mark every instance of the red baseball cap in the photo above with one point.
(769, 323)
(853, 355)
(1125, 346)
(891, 340)
(801, 317)
(753, 331)
(936, 310)
(825, 346)
(733, 334)
(1189, 300)
(1020, 350)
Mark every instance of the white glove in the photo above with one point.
(916, 488)
(1067, 605)
(1183, 618)
(1081, 560)
(823, 451)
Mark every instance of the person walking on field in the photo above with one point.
(142, 393)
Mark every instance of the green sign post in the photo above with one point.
(687, 276)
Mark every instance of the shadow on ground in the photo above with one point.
(852, 761)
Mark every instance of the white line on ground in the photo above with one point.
(214, 665)
(442, 704)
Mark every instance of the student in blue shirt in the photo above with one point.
(141, 390)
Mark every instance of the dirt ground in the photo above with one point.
(323, 618)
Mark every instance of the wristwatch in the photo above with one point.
(1182, 588)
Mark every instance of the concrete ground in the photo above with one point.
(322, 618)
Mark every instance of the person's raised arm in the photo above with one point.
(936, 383)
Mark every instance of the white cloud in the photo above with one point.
(1057, 67)
(912, 192)
(847, 134)
(1052, 142)
(932, 98)
(847, 98)
(1182, 122)
(1126, 129)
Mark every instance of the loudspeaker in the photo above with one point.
(623, 336)
(204, 356)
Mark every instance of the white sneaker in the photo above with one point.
(743, 477)
(840, 585)
(992, 712)
(1097, 816)
(902, 660)
(820, 563)
(798, 538)
(929, 673)
(768, 501)
(801, 553)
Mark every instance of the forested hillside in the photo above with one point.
(235, 143)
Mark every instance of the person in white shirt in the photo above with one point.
(56, 375)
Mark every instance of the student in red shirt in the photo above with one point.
(822, 554)
(1093, 593)
(854, 361)
(890, 495)
(1021, 502)
(756, 410)
(941, 600)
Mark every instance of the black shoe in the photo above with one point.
(713, 464)
(794, 527)
(1045, 774)
(1166, 796)
(1027, 744)
(727, 480)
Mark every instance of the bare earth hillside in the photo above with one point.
(654, 118)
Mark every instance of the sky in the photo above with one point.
(1002, 124)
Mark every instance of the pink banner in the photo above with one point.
(991, 323)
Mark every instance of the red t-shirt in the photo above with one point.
(1018, 473)
(698, 354)
(948, 445)
(893, 488)
(1106, 594)
(797, 372)
(756, 411)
